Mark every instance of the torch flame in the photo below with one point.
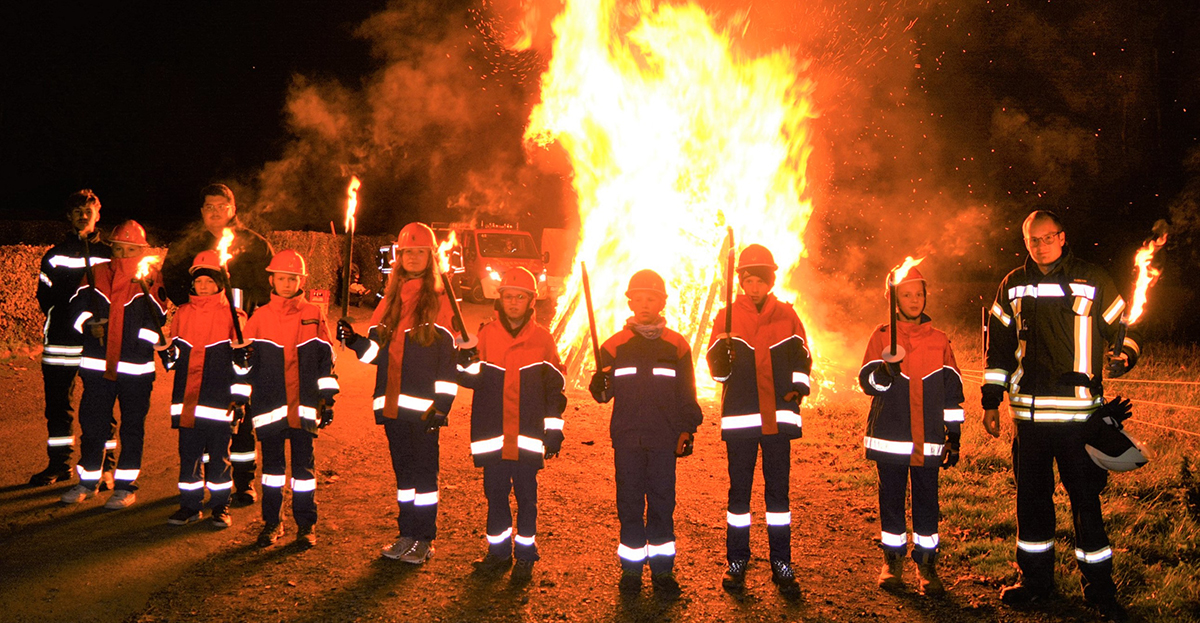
(223, 246)
(901, 271)
(672, 134)
(351, 202)
(143, 269)
(1146, 277)
(443, 252)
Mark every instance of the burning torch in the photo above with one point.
(1147, 275)
(348, 258)
(223, 252)
(140, 277)
(729, 268)
(895, 354)
(443, 259)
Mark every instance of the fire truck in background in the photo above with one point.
(482, 254)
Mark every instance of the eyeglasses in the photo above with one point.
(215, 209)
(1046, 240)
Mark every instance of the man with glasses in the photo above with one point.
(249, 286)
(1049, 330)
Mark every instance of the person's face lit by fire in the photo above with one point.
(84, 219)
(515, 303)
(286, 284)
(217, 211)
(414, 261)
(124, 250)
(755, 288)
(205, 286)
(646, 306)
(1045, 240)
(910, 297)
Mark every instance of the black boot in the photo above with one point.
(55, 472)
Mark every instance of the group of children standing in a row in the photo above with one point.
(283, 371)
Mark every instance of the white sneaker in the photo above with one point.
(120, 498)
(398, 549)
(77, 494)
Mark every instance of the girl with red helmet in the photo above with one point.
(119, 326)
(410, 343)
(912, 431)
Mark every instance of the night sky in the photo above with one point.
(971, 111)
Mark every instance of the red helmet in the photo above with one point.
(519, 278)
(287, 261)
(646, 281)
(206, 259)
(756, 255)
(912, 276)
(130, 232)
(416, 236)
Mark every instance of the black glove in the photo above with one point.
(685, 445)
(239, 413)
(720, 359)
(950, 454)
(434, 420)
(325, 417)
(1119, 409)
(468, 356)
(887, 372)
(553, 445)
(345, 332)
(169, 355)
(600, 387)
(1118, 366)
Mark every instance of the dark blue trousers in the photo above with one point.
(893, 489)
(211, 440)
(304, 477)
(499, 479)
(415, 456)
(776, 469)
(96, 419)
(646, 508)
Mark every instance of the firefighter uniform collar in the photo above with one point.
(287, 305)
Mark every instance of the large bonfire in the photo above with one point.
(673, 134)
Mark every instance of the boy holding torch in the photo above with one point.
(516, 418)
(913, 428)
(117, 363)
(763, 362)
(288, 371)
(646, 369)
(201, 354)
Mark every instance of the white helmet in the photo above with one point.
(1107, 442)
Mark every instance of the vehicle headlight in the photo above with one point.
(495, 276)
(542, 276)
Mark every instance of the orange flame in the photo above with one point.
(223, 246)
(901, 271)
(144, 266)
(1147, 276)
(672, 134)
(443, 252)
(352, 202)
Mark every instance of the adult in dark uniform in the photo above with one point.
(62, 269)
(248, 282)
(1049, 330)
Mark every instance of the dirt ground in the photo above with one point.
(85, 563)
